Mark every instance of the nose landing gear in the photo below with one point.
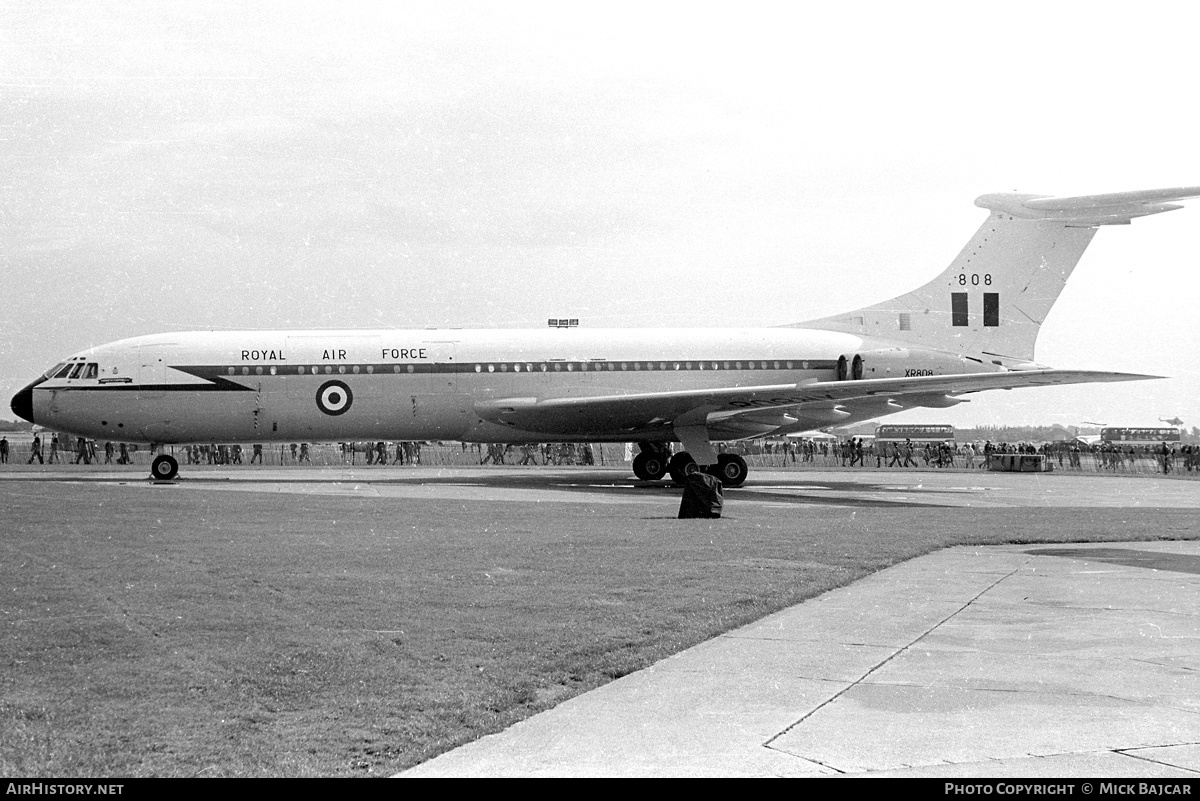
(164, 468)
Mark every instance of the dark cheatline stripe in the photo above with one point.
(220, 380)
(213, 374)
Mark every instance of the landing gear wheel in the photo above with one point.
(649, 466)
(164, 468)
(732, 469)
(678, 467)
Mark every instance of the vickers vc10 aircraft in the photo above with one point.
(972, 328)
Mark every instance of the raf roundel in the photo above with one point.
(334, 397)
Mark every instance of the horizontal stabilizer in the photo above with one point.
(1114, 208)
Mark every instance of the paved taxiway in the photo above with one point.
(856, 488)
(1019, 660)
(1070, 660)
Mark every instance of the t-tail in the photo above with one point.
(992, 299)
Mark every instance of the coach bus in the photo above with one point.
(1140, 436)
(899, 433)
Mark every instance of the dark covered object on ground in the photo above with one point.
(701, 497)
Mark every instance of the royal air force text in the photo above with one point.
(332, 355)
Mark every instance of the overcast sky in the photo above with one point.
(195, 165)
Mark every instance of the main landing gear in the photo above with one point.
(164, 468)
(653, 463)
(731, 469)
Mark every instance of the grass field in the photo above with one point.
(153, 632)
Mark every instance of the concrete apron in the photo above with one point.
(1020, 660)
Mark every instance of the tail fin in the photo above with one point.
(993, 298)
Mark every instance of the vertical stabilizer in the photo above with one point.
(994, 296)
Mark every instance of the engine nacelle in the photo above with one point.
(905, 363)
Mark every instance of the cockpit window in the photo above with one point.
(92, 370)
(63, 372)
(78, 369)
(50, 373)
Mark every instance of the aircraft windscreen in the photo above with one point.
(50, 373)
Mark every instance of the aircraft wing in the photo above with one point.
(639, 411)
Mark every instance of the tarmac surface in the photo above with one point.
(1009, 661)
(1041, 660)
(850, 488)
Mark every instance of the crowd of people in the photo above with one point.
(560, 453)
(61, 450)
(861, 452)
(853, 452)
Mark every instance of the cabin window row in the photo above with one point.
(544, 367)
(607, 366)
(327, 369)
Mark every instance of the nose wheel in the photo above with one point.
(164, 468)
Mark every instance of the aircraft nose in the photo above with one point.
(22, 402)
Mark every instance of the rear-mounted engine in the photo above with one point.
(905, 363)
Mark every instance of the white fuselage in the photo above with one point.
(348, 385)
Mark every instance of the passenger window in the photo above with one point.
(78, 368)
(92, 371)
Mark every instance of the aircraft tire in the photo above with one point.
(649, 466)
(732, 469)
(164, 468)
(677, 467)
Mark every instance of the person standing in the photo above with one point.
(4, 450)
(54, 449)
(36, 451)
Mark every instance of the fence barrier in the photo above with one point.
(757, 456)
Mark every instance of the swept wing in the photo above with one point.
(633, 412)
